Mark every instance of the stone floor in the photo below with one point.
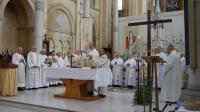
(117, 100)
(12, 109)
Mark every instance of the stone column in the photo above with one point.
(132, 7)
(1, 26)
(192, 93)
(78, 15)
(39, 26)
(86, 24)
(144, 6)
(86, 8)
(115, 26)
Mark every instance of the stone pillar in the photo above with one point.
(1, 26)
(86, 9)
(132, 7)
(39, 26)
(78, 15)
(115, 26)
(86, 25)
(192, 93)
(144, 7)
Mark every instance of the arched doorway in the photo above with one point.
(15, 29)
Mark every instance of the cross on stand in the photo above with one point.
(71, 60)
(149, 23)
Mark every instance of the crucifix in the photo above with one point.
(71, 60)
(149, 22)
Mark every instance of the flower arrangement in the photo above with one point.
(49, 62)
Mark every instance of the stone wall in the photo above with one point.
(60, 19)
(172, 31)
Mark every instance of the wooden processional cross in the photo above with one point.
(149, 23)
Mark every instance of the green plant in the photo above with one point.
(142, 94)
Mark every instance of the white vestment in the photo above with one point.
(66, 61)
(61, 62)
(43, 81)
(183, 63)
(130, 65)
(33, 72)
(55, 65)
(160, 69)
(103, 61)
(19, 60)
(117, 64)
(171, 87)
(94, 53)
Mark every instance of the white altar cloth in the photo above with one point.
(101, 76)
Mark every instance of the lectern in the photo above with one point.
(8, 82)
(153, 60)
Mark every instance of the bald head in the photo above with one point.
(34, 48)
(19, 50)
(158, 50)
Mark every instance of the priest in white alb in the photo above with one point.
(66, 60)
(19, 60)
(33, 69)
(117, 64)
(60, 60)
(103, 62)
(130, 65)
(93, 53)
(43, 57)
(171, 87)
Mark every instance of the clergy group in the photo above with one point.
(30, 71)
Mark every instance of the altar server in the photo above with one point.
(103, 62)
(33, 72)
(117, 64)
(171, 87)
(19, 60)
(130, 65)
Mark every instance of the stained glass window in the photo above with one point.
(172, 5)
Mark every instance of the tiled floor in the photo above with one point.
(116, 101)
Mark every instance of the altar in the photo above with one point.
(77, 79)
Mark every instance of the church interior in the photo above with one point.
(102, 55)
